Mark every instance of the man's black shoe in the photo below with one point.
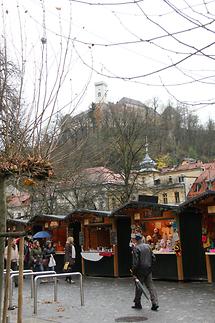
(137, 306)
(154, 307)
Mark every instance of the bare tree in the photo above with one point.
(126, 129)
(29, 110)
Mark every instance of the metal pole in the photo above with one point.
(32, 285)
(55, 289)
(7, 281)
(55, 286)
(35, 295)
(17, 271)
(32, 273)
(11, 307)
(20, 281)
(81, 290)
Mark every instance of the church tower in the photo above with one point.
(148, 165)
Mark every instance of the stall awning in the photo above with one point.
(199, 199)
(83, 212)
(137, 205)
(47, 217)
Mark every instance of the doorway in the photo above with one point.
(124, 251)
(74, 229)
(191, 242)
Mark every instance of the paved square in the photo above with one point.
(110, 299)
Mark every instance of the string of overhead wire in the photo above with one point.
(144, 83)
(176, 84)
(106, 3)
(169, 11)
(198, 105)
(150, 84)
(132, 42)
(132, 78)
(111, 44)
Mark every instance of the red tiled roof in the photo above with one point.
(18, 200)
(186, 166)
(206, 175)
(203, 180)
(189, 166)
(102, 175)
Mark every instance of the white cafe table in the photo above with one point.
(91, 256)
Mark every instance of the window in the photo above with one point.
(177, 197)
(209, 184)
(157, 181)
(197, 187)
(181, 179)
(99, 94)
(170, 179)
(165, 199)
(113, 202)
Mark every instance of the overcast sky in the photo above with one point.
(130, 45)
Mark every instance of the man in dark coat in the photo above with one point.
(143, 259)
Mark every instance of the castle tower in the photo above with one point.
(101, 92)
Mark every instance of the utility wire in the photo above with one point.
(107, 3)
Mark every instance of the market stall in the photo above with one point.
(96, 242)
(57, 226)
(197, 216)
(17, 225)
(158, 223)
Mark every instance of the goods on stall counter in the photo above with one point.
(169, 245)
(149, 239)
(175, 236)
(162, 245)
(177, 248)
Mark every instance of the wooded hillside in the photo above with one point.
(114, 135)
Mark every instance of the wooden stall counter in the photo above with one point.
(210, 266)
(98, 263)
(168, 266)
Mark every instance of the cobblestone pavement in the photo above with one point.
(110, 299)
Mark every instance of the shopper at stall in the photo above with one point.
(69, 260)
(143, 259)
(26, 252)
(48, 256)
(36, 257)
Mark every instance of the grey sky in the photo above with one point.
(123, 45)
